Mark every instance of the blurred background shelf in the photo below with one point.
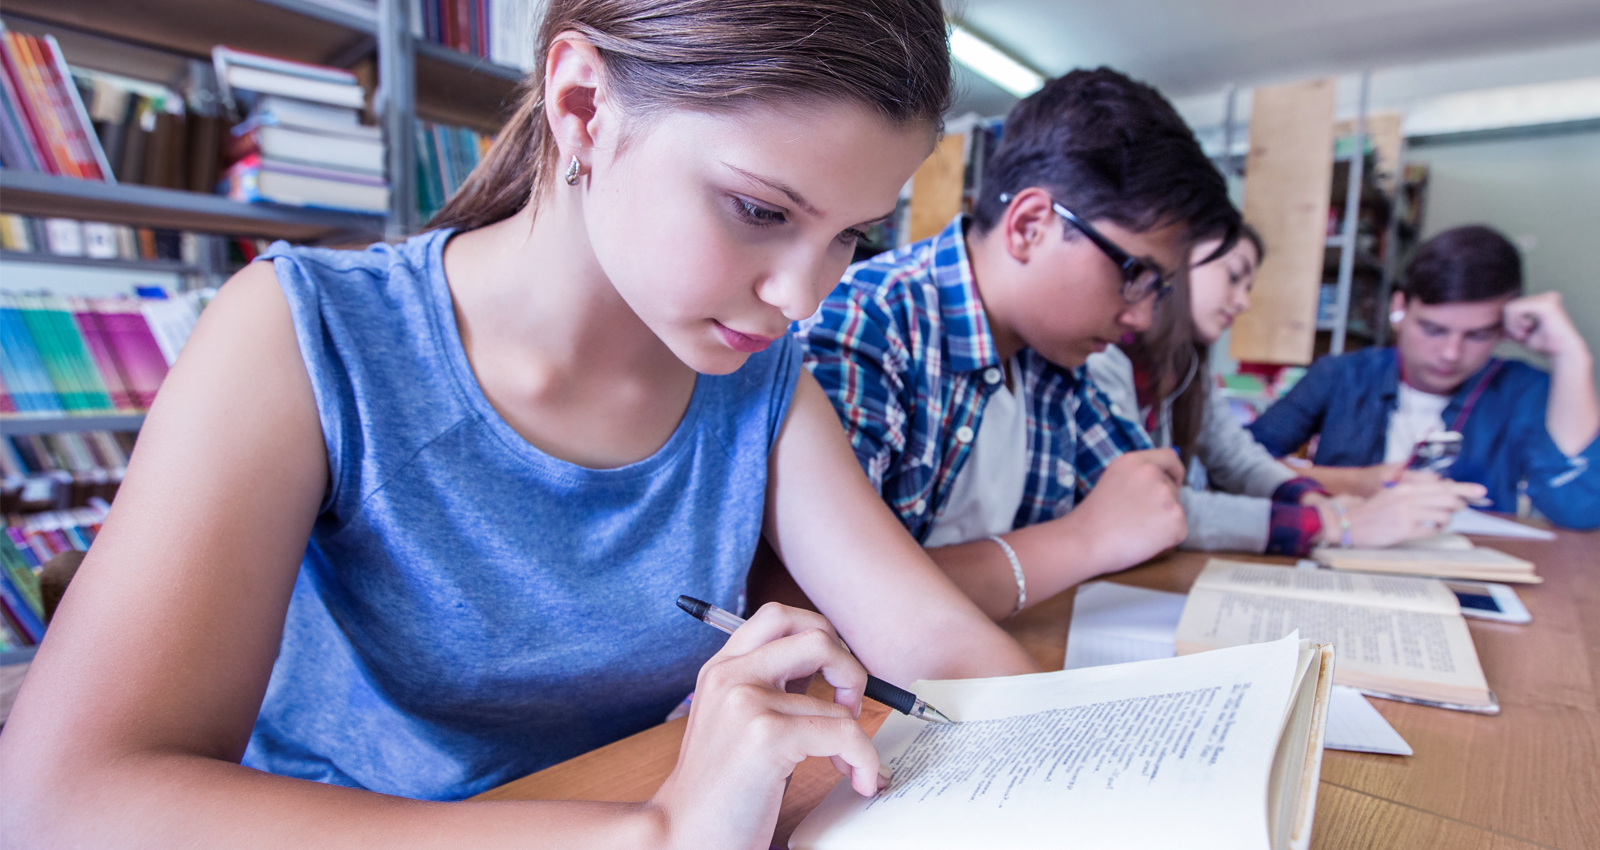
(30, 193)
(12, 425)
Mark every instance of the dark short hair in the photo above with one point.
(1472, 263)
(1108, 147)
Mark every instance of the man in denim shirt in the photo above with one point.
(1522, 429)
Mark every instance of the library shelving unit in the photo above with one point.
(407, 78)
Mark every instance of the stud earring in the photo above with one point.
(1396, 316)
(572, 172)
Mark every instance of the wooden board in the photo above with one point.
(936, 187)
(1288, 173)
(1384, 128)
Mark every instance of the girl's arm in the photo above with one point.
(903, 618)
(138, 707)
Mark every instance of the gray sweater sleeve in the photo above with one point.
(1234, 461)
(1217, 521)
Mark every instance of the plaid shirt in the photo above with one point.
(902, 347)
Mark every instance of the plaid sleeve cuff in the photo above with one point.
(1293, 529)
(1292, 491)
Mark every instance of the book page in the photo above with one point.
(1412, 594)
(1411, 653)
(1079, 758)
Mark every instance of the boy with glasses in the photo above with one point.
(956, 363)
(1522, 430)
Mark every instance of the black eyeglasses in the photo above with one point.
(1141, 278)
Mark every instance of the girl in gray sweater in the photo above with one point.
(1238, 496)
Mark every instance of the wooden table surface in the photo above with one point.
(1526, 778)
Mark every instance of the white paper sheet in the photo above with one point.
(1115, 623)
(1469, 521)
(1353, 724)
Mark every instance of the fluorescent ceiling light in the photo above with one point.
(986, 59)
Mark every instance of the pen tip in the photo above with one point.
(694, 607)
(934, 715)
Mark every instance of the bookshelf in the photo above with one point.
(28, 193)
(421, 80)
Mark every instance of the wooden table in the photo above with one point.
(1527, 778)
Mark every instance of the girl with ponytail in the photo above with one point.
(407, 523)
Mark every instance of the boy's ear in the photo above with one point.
(1027, 222)
(574, 99)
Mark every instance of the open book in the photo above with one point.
(1217, 750)
(1398, 637)
(1448, 555)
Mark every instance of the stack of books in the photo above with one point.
(43, 124)
(68, 469)
(66, 237)
(498, 30)
(152, 135)
(30, 542)
(445, 156)
(88, 356)
(302, 142)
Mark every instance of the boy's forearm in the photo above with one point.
(1572, 414)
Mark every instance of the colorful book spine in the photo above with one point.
(25, 68)
(66, 359)
(106, 361)
(135, 346)
(23, 366)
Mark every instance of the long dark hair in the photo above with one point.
(716, 55)
(1176, 362)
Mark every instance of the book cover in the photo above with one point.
(65, 358)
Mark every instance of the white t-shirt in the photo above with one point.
(1416, 415)
(988, 490)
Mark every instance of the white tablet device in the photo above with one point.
(1489, 601)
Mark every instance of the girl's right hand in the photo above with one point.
(1419, 505)
(746, 732)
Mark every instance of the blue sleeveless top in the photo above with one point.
(470, 609)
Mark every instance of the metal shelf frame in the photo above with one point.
(16, 425)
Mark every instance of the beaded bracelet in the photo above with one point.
(1016, 571)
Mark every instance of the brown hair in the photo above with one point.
(1169, 350)
(716, 55)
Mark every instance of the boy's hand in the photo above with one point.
(1540, 323)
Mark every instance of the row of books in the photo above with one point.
(66, 237)
(28, 544)
(152, 135)
(445, 156)
(89, 355)
(42, 472)
(43, 124)
(498, 30)
(302, 141)
(98, 240)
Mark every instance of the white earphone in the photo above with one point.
(1396, 316)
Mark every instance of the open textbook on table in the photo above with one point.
(1217, 750)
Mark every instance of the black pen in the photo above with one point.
(899, 699)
